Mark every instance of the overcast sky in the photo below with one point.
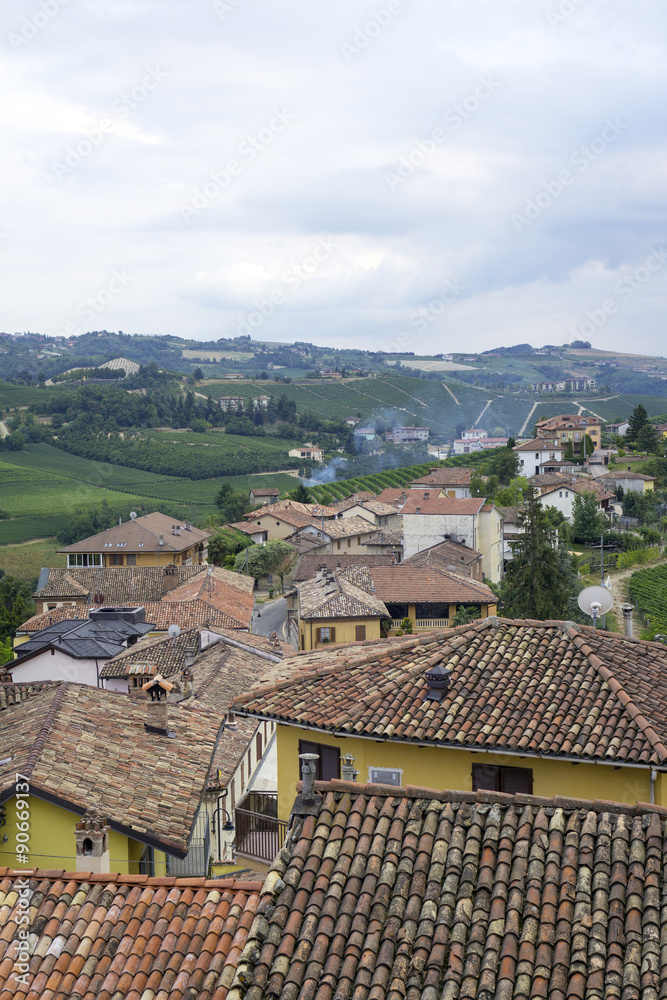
(425, 175)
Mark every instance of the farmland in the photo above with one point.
(648, 591)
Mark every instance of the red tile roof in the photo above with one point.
(124, 937)
(161, 614)
(409, 583)
(227, 592)
(418, 894)
(524, 687)
(445, 477)
(143, 535)
(433, 504)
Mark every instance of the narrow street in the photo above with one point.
(270, 617)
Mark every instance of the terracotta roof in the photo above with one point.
(394, 538)
(246, 527)
(563, 419)
(185, 614)
(308, 565)
(337, 597)
(393, 494)
(142, 535)
(444, 477)
(433, 504)
(293, 512)
(117, 584)
(407, 582)
(305, 543)
(123, 936)
(613, 477)
(446, 555)
(539, 444)
(393, 893)
(524, 687)
(13, 694)
(510, 514)
(265, 491)
(353, 500)
(345, 527)
(549, 479)
(81, 745)
(227, 592)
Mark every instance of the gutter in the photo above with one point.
(653, 768)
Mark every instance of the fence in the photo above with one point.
(259, 832)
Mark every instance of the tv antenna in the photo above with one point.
(133, 514)
(596, 602)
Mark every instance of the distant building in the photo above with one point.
(262, 496)
(233, 375)
(152, 540)
(408, 435)
(466, 446)
(572, 427)
(313, 453)
(228, 403)
(365, 433)
(260, 402)
(536, 453)
(569, 384)
(474, 434)
(620, 428)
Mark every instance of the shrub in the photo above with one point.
(585, 569)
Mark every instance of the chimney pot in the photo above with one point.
(627, 610)
(437, 682)
(308, 772)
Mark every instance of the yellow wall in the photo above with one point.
(153, 558)
(52, 842)
(345, 631)
(432, 767)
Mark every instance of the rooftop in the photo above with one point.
(161, 614)
(124, 936)
(407, 582)
(85, 638)
(116, 584)
(445, 554)
(309, 564)
(524, 687)
(229, 593)
(345, 527)
(80, 745)
(414, 893)
(428, 502)
(445, 477)
(335, 596)
(142, 534)
(538, 444)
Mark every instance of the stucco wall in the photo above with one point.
(345, 631)
(56, 666)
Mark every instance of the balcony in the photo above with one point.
(259, 832)
(426, 623)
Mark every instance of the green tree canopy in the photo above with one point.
(587, 521)
(15, 605)
(260, 561)
(232, 506)
(300, 494)
(224, 545)
(638, 420)
(533, 585)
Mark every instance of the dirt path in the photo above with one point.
(477, 420)
(619, 588)
(451, 393)
(525, 423)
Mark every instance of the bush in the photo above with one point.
(585, 569)
(637, 558)
(406, 626)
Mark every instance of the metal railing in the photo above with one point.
(423, 623)
(259, 832)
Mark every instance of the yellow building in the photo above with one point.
(330, 609)
(544, 708)
(153, 540)
(139, 768)
(572, 427)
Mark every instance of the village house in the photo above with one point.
(429, 595)
(382, 515)
(260, 402)
(573, 428)
(261, 496)
(407, 435)
(342, 534)
(536, 453)
(630, 482)
(89, 585)
(451, 556)
(231, 404)
(467, 446)
(309, 453)
(429, 519)
(561, 496)
(445, 482)
(520, 707)
(331, 609)
(283, 517)
(152, 540)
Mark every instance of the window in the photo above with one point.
(84, 559)
(115, 560)
(131, 560)
(328, 766)
(349, 542)
(359, 632)
(502, 779)
(338, 544)
(385, 775)
(537, 454)
(327, 634)
(258, 747)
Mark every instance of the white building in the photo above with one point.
(532, 454)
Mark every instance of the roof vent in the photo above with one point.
(437, 682)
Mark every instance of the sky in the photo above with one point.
(406, 175)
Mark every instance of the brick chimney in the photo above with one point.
(157, 697)
(92, 843)
(169, 578)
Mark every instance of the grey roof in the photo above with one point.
(82, 639)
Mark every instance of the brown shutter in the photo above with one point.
(517, 780)
(332, 634)
(360, 632)
(485, 777)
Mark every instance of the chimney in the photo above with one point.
(187, 682)
(157, 707)
(161, 539)
(627, 610)
(173, 529)
(169, 578)
(437, 682)
(92, 843)
(308, 772)
(347, 769)
(190, 656)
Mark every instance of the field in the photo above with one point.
(204, 355)
(648, 590)
(25, 561)
(375, 483)
(25, 492)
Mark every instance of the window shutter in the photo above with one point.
(318, 638)
(485, 777)
(517, 779)
(360, 632)
(332, 634)
(329, 762)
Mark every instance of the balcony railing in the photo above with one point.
(423, 623)
(259, 832)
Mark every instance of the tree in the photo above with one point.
(533, 586)
(587, 521)
(300, 494)
(513, 494)
(638, 420)
(647, 439)
(501, 462)
(224, 546)
(6, 651)
(466, 614)
(15, 605)
(265, 560)
(232, 506)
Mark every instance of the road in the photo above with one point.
(273, 618)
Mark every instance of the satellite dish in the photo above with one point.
(133, 514)
(595, 601)
(174, 631)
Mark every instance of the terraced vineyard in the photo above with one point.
(648, 591)
(375, 483)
